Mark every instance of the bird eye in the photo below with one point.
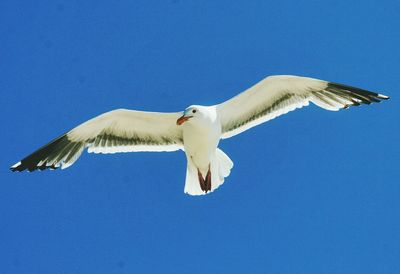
(194, 111)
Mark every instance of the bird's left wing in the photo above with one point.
(277, 95)
(119, 130)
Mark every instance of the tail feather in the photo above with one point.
(220, 167)
(226, 164)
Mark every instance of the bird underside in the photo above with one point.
(199, 130)
(205, 183)
(205, 179)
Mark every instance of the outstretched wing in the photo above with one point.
(277, 95)
(119, 130)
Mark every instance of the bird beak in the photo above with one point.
(182, 119)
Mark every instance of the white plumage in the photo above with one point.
(197, 130)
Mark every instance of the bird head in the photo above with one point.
(189, 113)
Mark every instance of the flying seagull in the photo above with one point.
(198, 130)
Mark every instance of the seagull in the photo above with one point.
(198, 129)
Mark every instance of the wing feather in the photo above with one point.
(278, 95)
(119, 130)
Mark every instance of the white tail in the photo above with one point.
(220, 166)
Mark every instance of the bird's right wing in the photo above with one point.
(119, 130)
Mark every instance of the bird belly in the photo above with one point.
(200, 146)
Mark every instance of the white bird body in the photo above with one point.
(198, 131)
(201, 137)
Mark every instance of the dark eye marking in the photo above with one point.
(194, 111)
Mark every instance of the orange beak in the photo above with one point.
(182, 119)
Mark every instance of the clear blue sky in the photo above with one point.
(311, 192)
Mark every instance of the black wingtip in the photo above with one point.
(364, 96)
(36, 161)
(17, 167)
(25, 165)
(383, 97)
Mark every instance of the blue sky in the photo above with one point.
(311, 192)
